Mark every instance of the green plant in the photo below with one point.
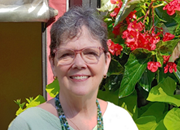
(31, 102)
(144, 74)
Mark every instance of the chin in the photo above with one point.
(81, 93)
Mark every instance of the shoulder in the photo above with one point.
(35, 118)
(117, 117)
(116, 109)
(21, 121)
(49, 106)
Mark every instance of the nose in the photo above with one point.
(78, 62)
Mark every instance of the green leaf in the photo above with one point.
(134, 68)
(164, 92)
(18, 102)
(146, 80)
(121, 11)
(115, 68)
(177, 19)
(113, 82)
(161, 75)
(166, 48)
(167, 22)
(160, 126)
(164, 17)
(31, 103)
(172, 119)
(126, 8)
(53, 88)
(111, 96)
(19, 111)
(122, 15)
(177, 74)
(106, 6)
(146, 123)
(157, 110)
(169, 29)
(130, 104)
(159, 58)
(37, 101)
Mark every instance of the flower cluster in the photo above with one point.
(170, 66)
(168, 36)
(172, 7)
(118, 3)
(136, 39)
(153, 66)
(166, 59)
(114, 48)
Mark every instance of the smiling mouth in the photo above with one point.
(79, 77)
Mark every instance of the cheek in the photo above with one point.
(60, 71)
(99, 69)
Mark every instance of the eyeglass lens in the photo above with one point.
(89, 55)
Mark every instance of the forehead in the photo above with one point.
(84, 38)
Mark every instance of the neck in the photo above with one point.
(79, 120)
(84, 106)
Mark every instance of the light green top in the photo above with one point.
(36, 118)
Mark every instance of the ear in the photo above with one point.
(52, 62)
(107, 62)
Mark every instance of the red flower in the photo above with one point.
(131, 16)
(135, 39)
(168, 36)
(134, 26)
(153, 40)
(153, 66)
(116, 29)
(131, 39)
(172, 7)
(114, 48)
(170, 66)
(118, 48)
(115, 12)
(115, 1)
(118, 2)
(166, 59)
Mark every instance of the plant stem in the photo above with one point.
(147, 12)
(156, 6)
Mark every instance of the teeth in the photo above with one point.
(80, 77)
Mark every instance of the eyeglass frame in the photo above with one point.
(80, 52)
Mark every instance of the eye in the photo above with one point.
(91, 52)
(65, 54)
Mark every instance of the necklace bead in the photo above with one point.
(64, 122)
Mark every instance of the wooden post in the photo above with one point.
(85, 3)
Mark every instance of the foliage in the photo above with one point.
(145, 75)
(30, 103)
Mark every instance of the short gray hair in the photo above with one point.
(69, 25)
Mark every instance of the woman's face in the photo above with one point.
(80, 78)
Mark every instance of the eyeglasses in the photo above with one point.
(90, 55)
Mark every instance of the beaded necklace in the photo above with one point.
(64, 122)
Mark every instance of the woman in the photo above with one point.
(79, 60)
